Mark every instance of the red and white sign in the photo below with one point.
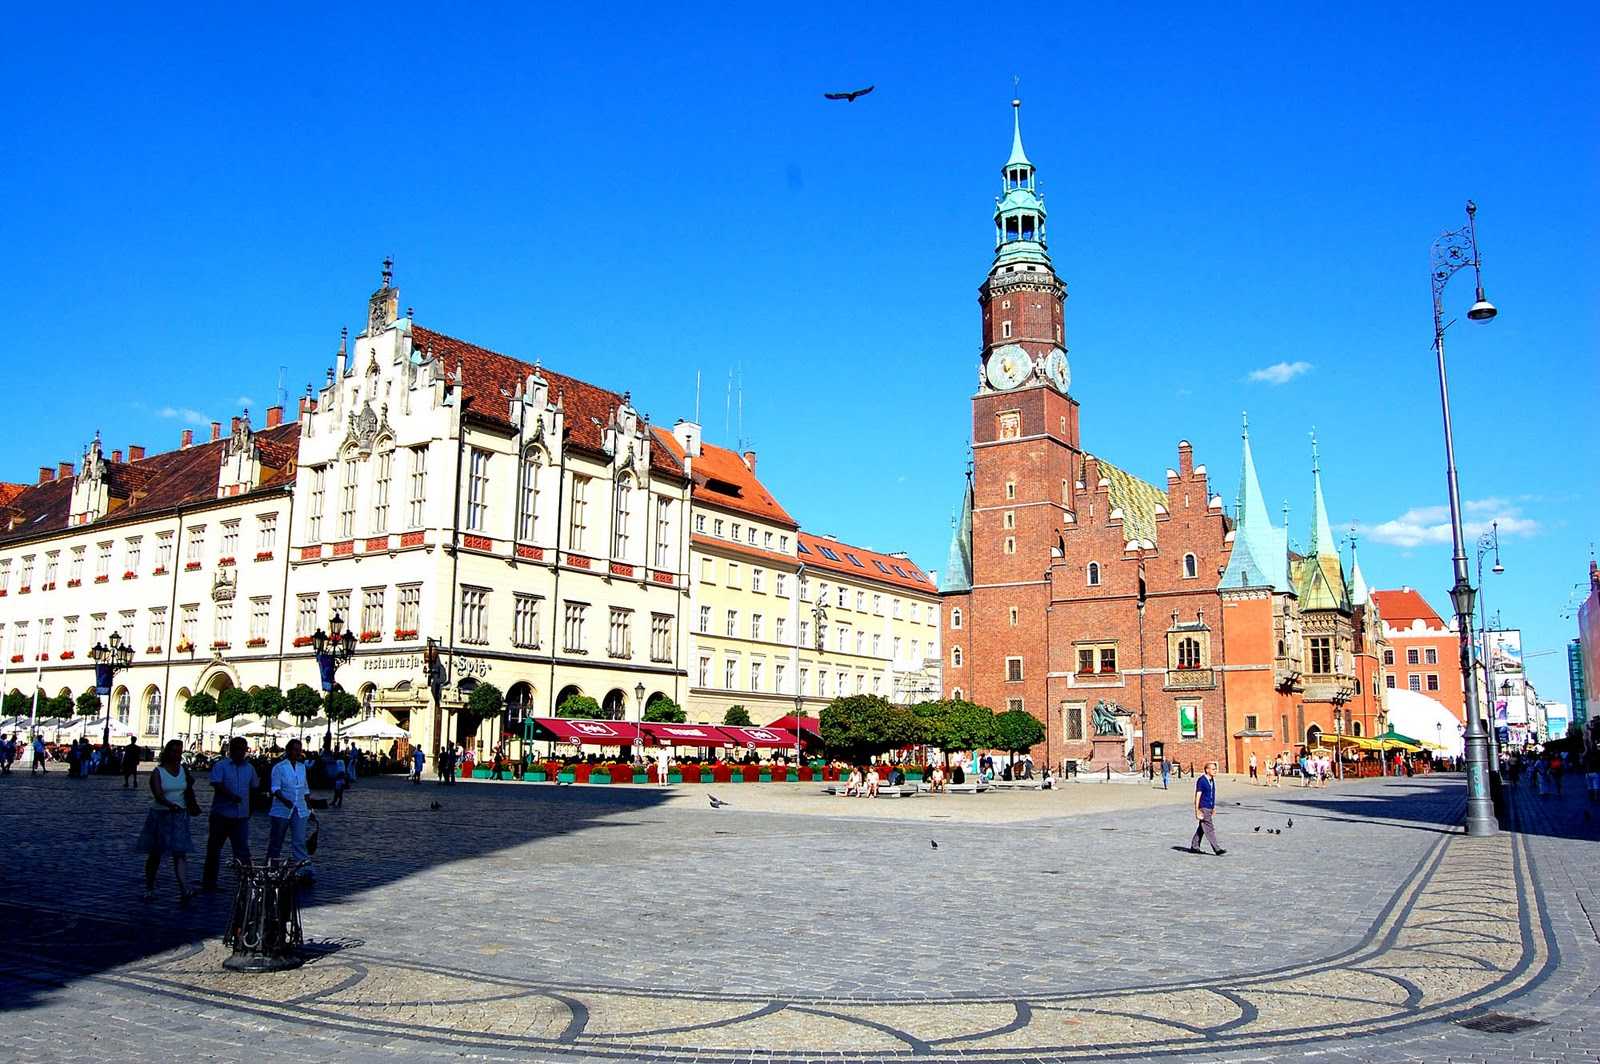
(685, 734)
(591, 732)
(768, 737)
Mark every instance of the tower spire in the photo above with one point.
(1258, 558)
(1019, 215)
(1018, 156)
(1322, 584)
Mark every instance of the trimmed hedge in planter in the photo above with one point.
(535, 775)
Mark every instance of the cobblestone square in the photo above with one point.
(629, 923)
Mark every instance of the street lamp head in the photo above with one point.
(1482, 310)
(336, 625)
(116, 640)
(97, 653)
(347, 643)
(1461, 597)
(319, 641)
(1498, 568)
(638, 692)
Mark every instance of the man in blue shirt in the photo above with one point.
(1205, 804)
(232, 780)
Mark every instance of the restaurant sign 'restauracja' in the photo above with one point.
(461, 666)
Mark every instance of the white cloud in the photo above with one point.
(184, 414)
(1427, 525)
(1279, 372)
(244, 400)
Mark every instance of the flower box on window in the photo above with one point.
(302, 640)
(152, 650)
(15, 658)
(184, 646)
(160, 570)
(47, 587)
(402, 634)
(263, 555)
(1107, 670)
(24, 589)
(41, 657)
(130, 575)
(220, 644)
(103, 578)
(256, 641)
(190, 567)
(371, 636)
(2, 592)
(227, 559)
(68, 655)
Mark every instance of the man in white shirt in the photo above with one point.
(290, 814)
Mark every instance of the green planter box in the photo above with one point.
(913, 777)
(641, 777)
(674, 777)
(535, 775)
(793, 776)
(599, 777)
(706, 777)
(480, 773)
(765, 777)
(567, 777)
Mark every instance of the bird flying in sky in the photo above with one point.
(848, 97)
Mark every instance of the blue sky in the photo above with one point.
(193, 200)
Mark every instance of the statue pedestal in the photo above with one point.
(1109, 751)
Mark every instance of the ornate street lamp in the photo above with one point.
(108, 661)
(1455, 250)
(1487, 542)
(332, 648)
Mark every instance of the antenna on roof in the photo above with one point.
(697, 397)
(727, 405)
(741, 406)
(283, 392)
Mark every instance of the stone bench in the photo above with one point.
(966, 788)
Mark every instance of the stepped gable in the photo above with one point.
(157, 482)
(722, 479)
(485, 374)
(1138, 500)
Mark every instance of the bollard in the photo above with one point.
(264, 926)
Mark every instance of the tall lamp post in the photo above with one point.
(108, 661)
(1489, 541)
(1455, 250)
(333, 648)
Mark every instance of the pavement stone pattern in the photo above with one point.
(528, 922)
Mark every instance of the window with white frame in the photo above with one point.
(916, 648)
(152, 713)
(877, 607)
(800, 677)
(75, 567)
(572, 627)
(419, 486)
(780, 585)
(408, 611)
(525, 621)
(474, 615)
(579, 513)
(895, 648)
(188, 624)
(25, 581)
(778, 675)
(737, 529)
(350, 480)
(955, 657)
(733, 574)
(700, 526)
(755, 675)
(619, 643)
(664, 543)
(158, 627)
(1093, 574)
(305, 615)
(755, 626)
(52, 566)
(124, 706)
(46, 627)
(125, 621)
(861, 642)
(69, 630)
(730, 673)
(660, 637)
(230, 539)
(222, 624)
(750, 535)
(19, 637)
(955, 617)
(894, 609)
(704, 620)
(266, 534)
(316, 499)
(843, 595)
(805, 634)
(1191, 567)
(876, 642)
(705, 672)
(780, 627)
(822, 683)
(622, 519)
(383, 475)
(528, 522)
(5, 575)
(339, 603)
(716, 528)
(731, 628)
(757, 577)
(861, 602)
(766, 540)
(260, 617)
(477, 490)
(843, 635)
(102, 561)
(372, 611)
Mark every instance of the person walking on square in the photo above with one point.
(166, 825)
(38, 756)
(1205, 805)
(337, 773)
(1166, 772)
(663, 766)
(1254, 778)
(290, 813)
(130, 762)
(418, 760)
(233, 778)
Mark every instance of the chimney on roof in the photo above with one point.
(750, 461)
(187, 438)
(274, 416)
(216, 431)
(1185, 458)
(116, 456)
(63, 471)
(46, 474)
(233, 426)
(135, 452)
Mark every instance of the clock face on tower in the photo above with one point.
(1008, 367)
(1056, 371)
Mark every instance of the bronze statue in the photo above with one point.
(1105, 718)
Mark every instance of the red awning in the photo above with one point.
(806, 724)
(685, 734)
(590, 732)
(776, 738)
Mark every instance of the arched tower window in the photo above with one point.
(1188, 653)
(955, 657)
(1191, 568)
(1094, 574)
(955, 617)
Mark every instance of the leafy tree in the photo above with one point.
(1017, 731)
(954, 725)
(60, 706)
(17, 704)
(665, 711)
(484, 702)
(89, 704)
(342, 705)
(303, 702)
(201, 706)
(736, 717)
(232, 703)
(268, 702)
(579, 706)
(859, 726)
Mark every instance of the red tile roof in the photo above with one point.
(744, 550)
(153, 484)
(1399, 608)
(722, 479)
(486, 373)
(884, 568)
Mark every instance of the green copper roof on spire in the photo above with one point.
(1018, 156)
(1322, 542)
(957, 575)
(1260, 553)
(1322, 583)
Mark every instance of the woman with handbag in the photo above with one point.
(166, 825)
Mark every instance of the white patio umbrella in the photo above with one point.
(374, 728)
